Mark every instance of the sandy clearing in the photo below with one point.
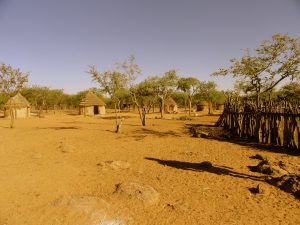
(36, 171)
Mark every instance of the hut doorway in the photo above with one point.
(96, 110)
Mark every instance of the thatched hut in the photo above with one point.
(202, 106)
(20, 106)
(220, 107)
(91, 105)
(170, 105)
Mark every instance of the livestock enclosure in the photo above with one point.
(276, 123)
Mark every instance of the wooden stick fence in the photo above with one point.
(269, 123)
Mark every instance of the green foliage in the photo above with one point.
(290, 92)
(207, 91)
(163, 86)
(11, 80)
(3, 99)
(180, 98)
(274, 61)
(190, 86)
(112, 83)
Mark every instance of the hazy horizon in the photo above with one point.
(56, 40)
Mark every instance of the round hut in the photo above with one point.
(220, 107)
(91, 105)
(20, 106)
(170, 105)
(202, 106)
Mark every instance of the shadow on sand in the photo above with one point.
(58, 128)
(206, 167)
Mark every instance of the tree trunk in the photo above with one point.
(12, 117)
(162, 110)
(144, 117)
(40, 112)
(119, 120)
(190, 106)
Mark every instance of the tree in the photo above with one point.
(290, 92)
(275, 60)
(37, 96)
(189, 86)
(11, 82)
(208, 92)
(163, 87)
(112, 83)
(143, 95)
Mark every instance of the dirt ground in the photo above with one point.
(68, 170)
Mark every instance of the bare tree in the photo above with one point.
(112, 83)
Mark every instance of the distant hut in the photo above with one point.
(220, 107)
(127, 105)
(202, 106)
(170, 105)
(20, 106)
(91, 105)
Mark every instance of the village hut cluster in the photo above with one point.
(92, 105)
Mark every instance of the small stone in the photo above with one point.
(144, 193)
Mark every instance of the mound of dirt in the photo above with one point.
(144, 193)
(288, 183)
(86, 210)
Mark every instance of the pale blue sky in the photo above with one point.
(56, 39)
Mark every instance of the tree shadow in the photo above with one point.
(206, 167)
(145, 131)
(142, 133)
(220, 134)
(113, 117)
(59, 128)
(73, 114)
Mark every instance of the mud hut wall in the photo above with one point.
(171, 108)
(22, 113)
(102, 110)
(18, 113)
(87, 110)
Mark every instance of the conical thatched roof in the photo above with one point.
(18, 101)
(91, 99)
(170, 101)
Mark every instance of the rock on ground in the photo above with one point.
(86, 210)
(144, 193)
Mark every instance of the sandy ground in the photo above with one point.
(65, 169)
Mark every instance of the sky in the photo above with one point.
(56, 40)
